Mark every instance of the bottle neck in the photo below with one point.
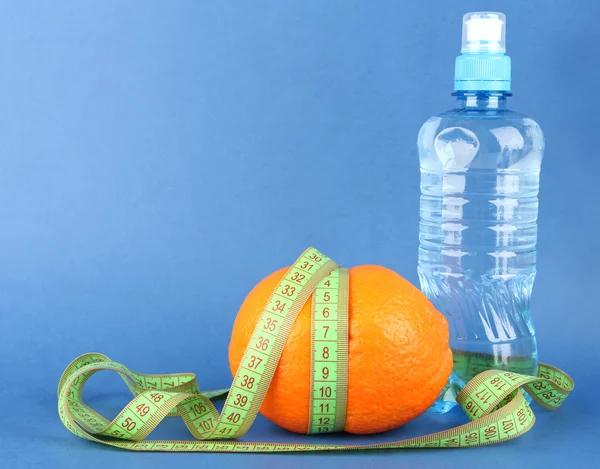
(482, 99)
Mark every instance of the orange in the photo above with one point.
(398, 354)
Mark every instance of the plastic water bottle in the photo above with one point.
(480, 166)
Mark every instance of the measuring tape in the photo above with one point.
(329, 354)
(498, 411)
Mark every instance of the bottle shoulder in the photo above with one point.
(464, 113)
(466, 138)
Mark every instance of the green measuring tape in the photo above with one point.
(329, 354)
(498, 411)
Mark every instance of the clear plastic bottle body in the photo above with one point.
(480, 165)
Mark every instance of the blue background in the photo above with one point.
(148, 152)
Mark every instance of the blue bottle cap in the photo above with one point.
(483, 65)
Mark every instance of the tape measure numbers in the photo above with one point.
(491, 400)
(329, 354)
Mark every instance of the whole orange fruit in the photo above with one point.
(398, 354)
